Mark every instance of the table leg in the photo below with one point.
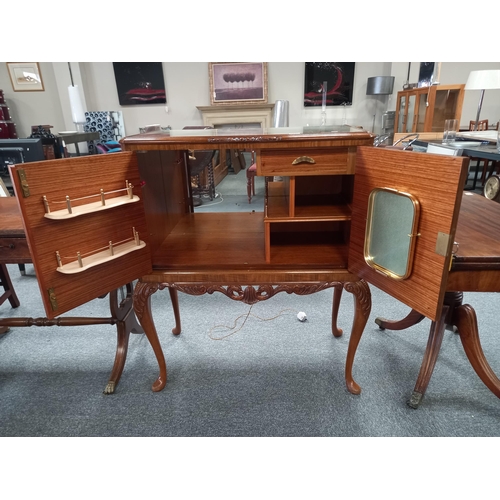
(430, 357)
(7, 285)
(142, 308)
(174, 297)
(363, 304)
(337, 296)
(465, 320)
(126, 323)
(413, 318)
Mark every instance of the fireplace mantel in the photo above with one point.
(237, 114)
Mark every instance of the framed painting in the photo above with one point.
(25, 76)
(337, 79)
(140, 83)
(238, 83)
(426, 74)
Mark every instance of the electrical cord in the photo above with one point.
(246, 315)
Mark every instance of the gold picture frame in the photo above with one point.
(237, 83)
(25, 76)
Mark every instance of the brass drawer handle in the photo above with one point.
(303, 159)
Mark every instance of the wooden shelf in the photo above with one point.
(91, 208)
(100, 257)
(307, 217)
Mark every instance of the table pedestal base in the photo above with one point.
(121, 315)
(460, 318)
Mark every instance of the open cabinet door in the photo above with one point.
(85, 225)
(407, 255)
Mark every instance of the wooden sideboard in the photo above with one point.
(95, 223)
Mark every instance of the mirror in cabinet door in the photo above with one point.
(85, 224)
(403, 245)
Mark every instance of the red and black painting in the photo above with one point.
(337, 78)
(140, 82)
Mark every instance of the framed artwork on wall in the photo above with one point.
(238, 83)
(25, 76)
(140, 83)
(336, 77)
(426, 74)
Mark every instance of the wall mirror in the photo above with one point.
(391, 231)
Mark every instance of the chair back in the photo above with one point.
(481, 125)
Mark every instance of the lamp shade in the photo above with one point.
(380, 85)
(483, 79)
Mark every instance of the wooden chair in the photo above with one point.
(481, 125)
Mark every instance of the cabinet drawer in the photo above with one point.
(14, 250)
(308, 161)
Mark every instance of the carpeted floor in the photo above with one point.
(271, 375)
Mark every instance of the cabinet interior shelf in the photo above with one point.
(91, 207)
(278, 207)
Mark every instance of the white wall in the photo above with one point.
(187, 86)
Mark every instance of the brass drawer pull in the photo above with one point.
(303, 159)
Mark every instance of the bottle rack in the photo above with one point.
(81, 262)
(102, 203)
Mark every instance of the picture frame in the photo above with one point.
(339, 78)
(25, 76)
(237, 83)
(140, 83)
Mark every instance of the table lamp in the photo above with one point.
(379, 85)
(482, 80)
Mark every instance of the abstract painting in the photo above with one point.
(336, 78)
(140, 82)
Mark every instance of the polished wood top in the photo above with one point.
(275, 138)
(478, 231)
(11, 223)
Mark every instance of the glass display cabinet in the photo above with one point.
(426, 109)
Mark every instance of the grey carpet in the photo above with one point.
(275, 376)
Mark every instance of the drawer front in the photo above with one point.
(307, 161)
(14, 251)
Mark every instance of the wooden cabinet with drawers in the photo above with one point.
(309, 238)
